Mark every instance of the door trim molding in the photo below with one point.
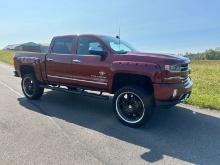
(80, 80)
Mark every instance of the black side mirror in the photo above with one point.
(97, 51)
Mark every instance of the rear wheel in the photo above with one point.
(133, 106)
(30, 87)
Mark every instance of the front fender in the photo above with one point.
(139, 68)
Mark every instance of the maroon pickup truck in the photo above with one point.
(78, 63)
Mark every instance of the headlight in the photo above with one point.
(172, 68)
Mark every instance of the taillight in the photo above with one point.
(14, 61)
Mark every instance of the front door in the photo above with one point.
(90, 70)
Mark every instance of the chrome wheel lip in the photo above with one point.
(25, 88)
(118, 112)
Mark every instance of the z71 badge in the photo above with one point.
(100, 76)
(102, 73)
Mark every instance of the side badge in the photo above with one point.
(102, 73)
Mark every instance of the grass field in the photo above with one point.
(206, 89)
(205, 75)
(6, 56)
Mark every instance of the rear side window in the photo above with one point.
(62, 45)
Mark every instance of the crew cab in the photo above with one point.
(78, 63)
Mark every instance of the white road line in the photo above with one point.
(11, 89)
(57, 126)
(21, 95)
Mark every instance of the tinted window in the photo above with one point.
(62, 46)
(86, 43)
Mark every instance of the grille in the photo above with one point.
(185, 73)
(186, 81)
(184, 67)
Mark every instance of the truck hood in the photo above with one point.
(155, 58)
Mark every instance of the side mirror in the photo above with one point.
(97, 51)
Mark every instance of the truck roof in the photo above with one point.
(74, 35)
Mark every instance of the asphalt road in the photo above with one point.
(64, 128)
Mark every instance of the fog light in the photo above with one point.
(175, 92)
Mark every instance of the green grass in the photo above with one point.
(206, 88)
(205, 75)
(6, 56)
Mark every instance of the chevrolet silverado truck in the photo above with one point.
(81, 63)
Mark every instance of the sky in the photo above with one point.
(168, 26)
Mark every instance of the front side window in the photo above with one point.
(87, 43)
(62, 46)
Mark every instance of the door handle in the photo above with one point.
(49, 59)
(76, 61)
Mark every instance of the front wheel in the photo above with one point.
(133, 106)
(30, 87)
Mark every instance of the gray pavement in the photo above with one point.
(63, 128)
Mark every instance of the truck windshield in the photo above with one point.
(118, 46)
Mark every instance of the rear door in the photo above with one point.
(59, 60)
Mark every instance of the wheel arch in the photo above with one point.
(126, 79)
(30, 69)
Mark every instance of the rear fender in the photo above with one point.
(33, 62)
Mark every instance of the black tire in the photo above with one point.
(30, 87)
(136, 108)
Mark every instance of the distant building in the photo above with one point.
(28, 47)
(11, 47)
(44, 48)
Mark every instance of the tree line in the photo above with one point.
(210, 54)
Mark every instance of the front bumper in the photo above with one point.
(167, 95)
